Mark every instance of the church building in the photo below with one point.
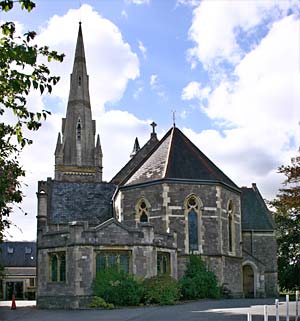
(167, 202)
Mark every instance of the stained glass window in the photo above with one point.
(57, 266)
(120, 260)
(54, 268)
(193, 230)
(163, 263)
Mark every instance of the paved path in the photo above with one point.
(205, 310)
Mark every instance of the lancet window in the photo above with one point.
(230, 226)
(78, 130)
(142, 211)
(193, 223)
(119, 260)
(58, 267)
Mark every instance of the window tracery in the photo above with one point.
(142, 211)
(193, 209)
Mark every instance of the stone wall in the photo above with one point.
(81, 243)
(260, 250)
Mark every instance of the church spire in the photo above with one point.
(79, 86)
(79, 159)
(136, 147)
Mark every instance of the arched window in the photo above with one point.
(78, 130)
(230, 226)
(192, 206)
(54, 268)
(142, 211)
(79, 81)
(193, 231)
(58, 267)
(62, 267)
(113, 259)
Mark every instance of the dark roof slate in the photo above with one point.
(135, 161)
(255, 214)
(18, 254)
(90, 202)
(178, 158)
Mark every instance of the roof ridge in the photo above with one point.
(167, 164)
(143, 161)
(264, 205)
(207, 162)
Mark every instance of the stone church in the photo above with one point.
(167, 202)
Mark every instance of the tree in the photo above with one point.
(21, 71)
(287, 218)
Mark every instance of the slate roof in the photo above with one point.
(90, 202)
(176, 157)
(135, 161)
(18, 254)
(255, 214)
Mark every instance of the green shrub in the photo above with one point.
(98, 302)
(198, 282)
(161, 289)
(118, 288)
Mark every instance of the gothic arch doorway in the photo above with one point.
(248, 281)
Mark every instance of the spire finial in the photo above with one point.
(136, 147)
(174, 118)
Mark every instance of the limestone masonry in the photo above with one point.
(168, 201)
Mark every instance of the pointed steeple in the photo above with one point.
(58, 144)
(79, 86)
(136, 147)
(80, 159)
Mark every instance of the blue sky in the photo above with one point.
(230, 69)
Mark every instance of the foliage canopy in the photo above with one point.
(287, 218)
(198, 282)
(21, 71)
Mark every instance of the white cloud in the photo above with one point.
(153, 80)
(193, 90)
(118, 130)
(143, 49)
(124, 14)
(157, 87)
(183, 114)
(240, 157)
(267, 91)
(188, 3)
(137, 93)
(104, 47)
(217, 23)
(260, 103)
(138, 2)
(116, 65)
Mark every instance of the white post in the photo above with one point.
(265, 313)
(249, 317)
(277, 309)
(287, 297)
(297, 311)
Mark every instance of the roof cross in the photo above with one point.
(153, 125)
